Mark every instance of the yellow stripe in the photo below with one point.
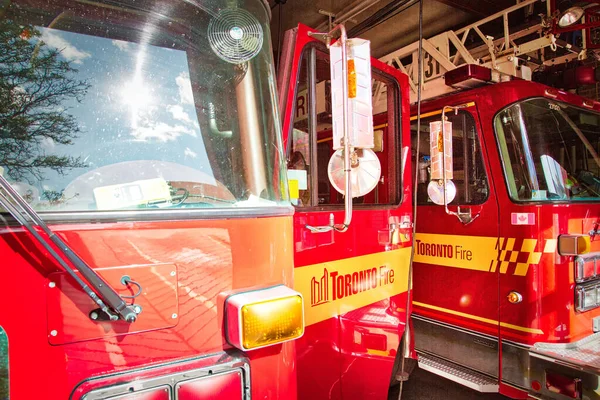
(380, 126)
(438, 112)
(459, 251)
(323, 285)
(480, 319)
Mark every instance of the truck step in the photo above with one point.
(459, 374)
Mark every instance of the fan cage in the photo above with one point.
(235, 35)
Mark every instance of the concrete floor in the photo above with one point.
(423, 385)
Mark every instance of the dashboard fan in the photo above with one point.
(235, 35)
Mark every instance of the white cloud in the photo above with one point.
(122, 45)
(161, 132)
(185, 88)
(48, 144)
(189, 153)
(68, 51)
(179, 114)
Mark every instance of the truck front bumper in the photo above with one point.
(566, 370)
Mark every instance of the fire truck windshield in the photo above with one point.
(549, 151)
(134, 104)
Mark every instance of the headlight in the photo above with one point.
(586, 296)
(586, 267)
(264, 317)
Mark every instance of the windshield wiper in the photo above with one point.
(109, 301)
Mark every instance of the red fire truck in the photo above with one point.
(141, 156)
(147, 231)
(506, 293)
(352, 274)
(505, 285)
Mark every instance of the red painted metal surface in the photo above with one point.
(351, 355)
(512, 392)
(464, 290)
(69, 307)
(212, 258)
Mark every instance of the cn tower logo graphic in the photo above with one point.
(319, 290)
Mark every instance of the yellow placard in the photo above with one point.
(294, 191)
(337, 287)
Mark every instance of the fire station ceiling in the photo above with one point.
(368, 18)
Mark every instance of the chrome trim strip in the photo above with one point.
(454, 327)
(158, 215)
(465, 330)
(171, 381)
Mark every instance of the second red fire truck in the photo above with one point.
(506, 271)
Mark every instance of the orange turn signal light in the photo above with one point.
(573, 245)
(515, 297)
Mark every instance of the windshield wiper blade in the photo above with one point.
(107, 299)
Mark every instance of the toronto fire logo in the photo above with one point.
(333, 285)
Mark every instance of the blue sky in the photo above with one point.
(139, 106)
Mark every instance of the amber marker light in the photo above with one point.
(573, 245)
(264, 317)
(351, 79)
(515, 297)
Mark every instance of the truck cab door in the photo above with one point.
(455, 295)
(354, 282)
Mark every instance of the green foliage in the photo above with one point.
(35, 83)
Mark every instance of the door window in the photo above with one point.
(469, 173)
(311, 144)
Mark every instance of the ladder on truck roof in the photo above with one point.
(513, 54)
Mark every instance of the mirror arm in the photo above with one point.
(343, 227)
(465, 216)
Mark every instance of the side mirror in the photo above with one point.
(441, 190)
(352, 114)
(354, 169)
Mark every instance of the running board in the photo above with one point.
(459, 374)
